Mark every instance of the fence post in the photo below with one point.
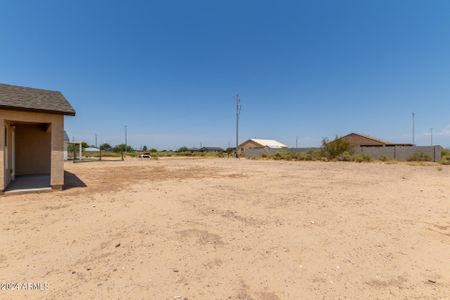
(434, 153)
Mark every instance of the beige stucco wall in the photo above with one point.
(56, 131)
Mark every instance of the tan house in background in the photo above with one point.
(32, 137)
(361, 140)
(259, 144)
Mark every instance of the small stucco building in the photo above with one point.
(361, 140)
(32, 135)
(259, 144)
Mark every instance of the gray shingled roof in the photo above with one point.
(30, 99)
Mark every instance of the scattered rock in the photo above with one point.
(176, 271)
(431, 281)
(118, 245)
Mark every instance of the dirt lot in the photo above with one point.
(229, 229)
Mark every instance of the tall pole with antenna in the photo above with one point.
(96, 136)
(296, 142)
(238, 112)
(126, 138)
(414, 128)
(431, 136)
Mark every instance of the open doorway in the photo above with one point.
(29, 156)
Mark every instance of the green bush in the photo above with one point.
(419, 157)
(183, 149)
(362, 157)
(384, 158)
(335, 148)
(445, 160)
(445, 152)
(445, 157)
(345, 156)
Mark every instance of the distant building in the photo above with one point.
(259, 144)
(361, 140)
(211, 149)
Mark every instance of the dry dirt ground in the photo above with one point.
(232, 229)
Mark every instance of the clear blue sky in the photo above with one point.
(170, 69)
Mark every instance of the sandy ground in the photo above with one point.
(229, 229)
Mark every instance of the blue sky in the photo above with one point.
(170, 69)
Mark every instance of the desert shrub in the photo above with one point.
(182, 149)
(419, 157)
(301, 156)
(333, 149)
(317, 155)
(345, 156)
(445, 157)
(384, 158)
(445, 152)
(445, 160)
(277, 156)
(282, 155)
(362, 157)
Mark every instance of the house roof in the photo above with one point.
(269, 143)
(66, 136)
(382, 142)
(21, 98)
(369, 137)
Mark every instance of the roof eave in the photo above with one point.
(46, 111)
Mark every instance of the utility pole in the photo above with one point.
(431, 136)
(96, 135)
(126, 138)
(296, 142)
(238, 112)
(413, 128)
